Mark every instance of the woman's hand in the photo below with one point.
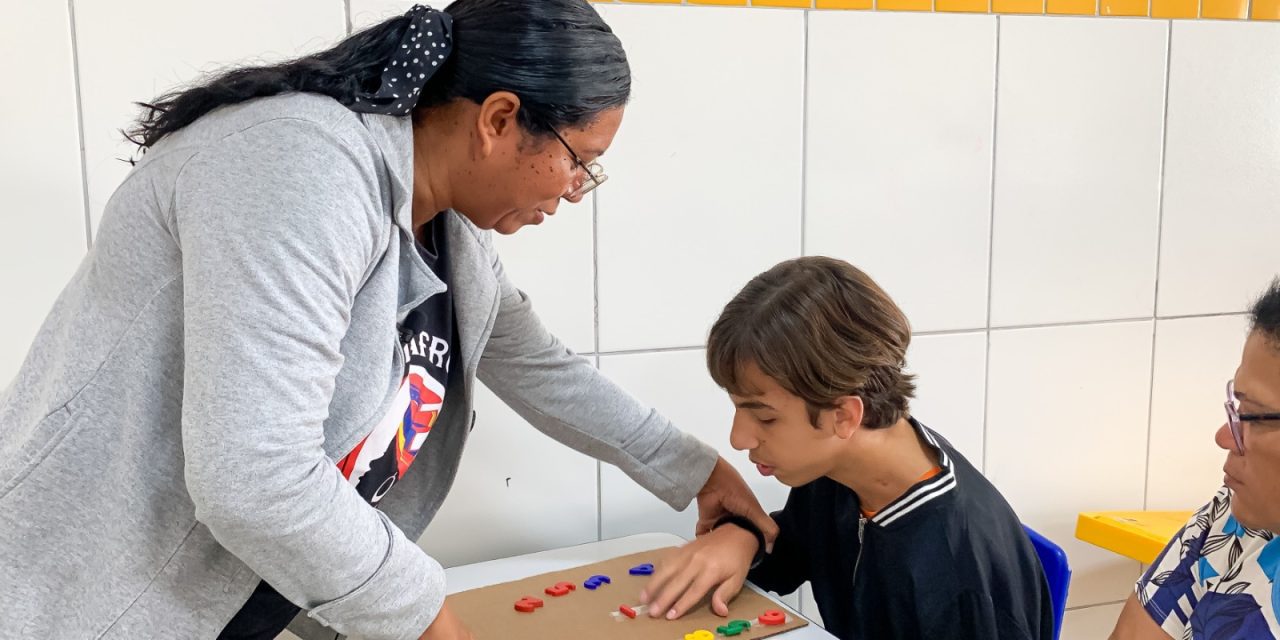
(446, 626)
(726, 493)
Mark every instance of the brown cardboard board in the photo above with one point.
(489, 612)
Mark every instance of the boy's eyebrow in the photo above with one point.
(754, 404)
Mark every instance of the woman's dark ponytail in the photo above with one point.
(340, 73)
(559, 56)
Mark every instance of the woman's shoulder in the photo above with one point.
(275, 167)
(274, 119)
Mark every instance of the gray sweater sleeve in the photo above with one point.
(272, 260)
(565, 397)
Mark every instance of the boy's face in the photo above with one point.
(773, 427)
(1254, 477)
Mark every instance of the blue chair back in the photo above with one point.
(1058, 572)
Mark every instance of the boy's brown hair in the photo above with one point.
(822, 329)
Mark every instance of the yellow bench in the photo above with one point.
(1140, 535)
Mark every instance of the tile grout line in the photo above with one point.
(1151, 403)
(84, 159)
(347, 6)
(1079, 323)
(949, 332)
(595, 320)
(804, 135)
(1194, 316)
(1155, 303)
(1087, 323)
(804, 170)
(991, 244)
(599, 491)
(1082, 323)
(636, 352)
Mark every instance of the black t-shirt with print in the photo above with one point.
(426, 335)
(384, 455)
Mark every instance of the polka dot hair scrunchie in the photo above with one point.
(425, 47)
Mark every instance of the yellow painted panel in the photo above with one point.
(736, 3)
(1140, 535)
(1017, 6)
(652, 1)
(1123, 7)
(844, 4)
(1175, 8)
(1224, 9)
(968, 6)
(1072, 7)
(798, 4)
(905, 5)
(1266, 10)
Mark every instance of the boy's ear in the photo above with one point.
(847, 416)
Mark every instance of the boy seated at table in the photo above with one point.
(899, 534)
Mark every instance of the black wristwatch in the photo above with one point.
(750, 527)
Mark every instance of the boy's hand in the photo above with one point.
(718, 559)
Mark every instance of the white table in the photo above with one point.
(482, 574)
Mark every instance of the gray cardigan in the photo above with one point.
(171, 436)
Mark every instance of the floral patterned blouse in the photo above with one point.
(1216, 580)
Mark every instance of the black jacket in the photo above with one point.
(948, 559)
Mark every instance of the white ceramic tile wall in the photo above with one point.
(553, 264)
(134, 50)
(1194, 359)
(901, 184)
(1222, 199)
(368, 12)
(699, 200)
(517, 491)
(793, 600)
(42, 223)
(950, 388)
(1090, 623)
(1078, 137)
(678, 385)
(808, 606)
(1066, 411)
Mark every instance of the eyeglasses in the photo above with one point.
(595, 172)
(1236, 420)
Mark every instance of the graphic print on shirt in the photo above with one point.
(384, 456)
